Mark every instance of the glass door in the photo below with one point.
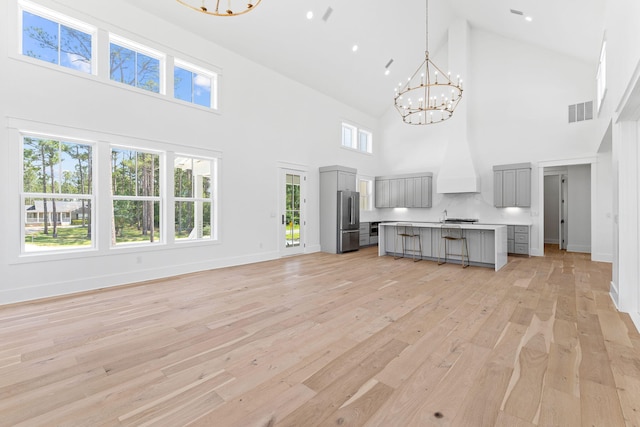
(291, 216)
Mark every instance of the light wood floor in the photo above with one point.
(331, 340)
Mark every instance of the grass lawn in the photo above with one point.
(77, 236)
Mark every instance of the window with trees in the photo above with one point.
(193, 84)
(57, 195)
(55, 38)
(356, 139)
(136, 197)
(193, 197)
(134, 64)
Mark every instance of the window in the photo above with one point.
(54, 38)
(57, 195)
(357, 139)
(601, 77)
(135, 184)
(134, 65)
(365, 188)
(194, 85)
(194, 198)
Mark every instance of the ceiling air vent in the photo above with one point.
(516, 12)
(581, 112)
(327, 14)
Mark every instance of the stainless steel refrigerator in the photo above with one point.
(348, 221)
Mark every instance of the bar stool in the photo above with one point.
(406, 231)
(449, 233)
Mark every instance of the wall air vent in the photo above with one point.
(327, 14)
(581, 112)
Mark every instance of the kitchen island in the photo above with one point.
(487, 243)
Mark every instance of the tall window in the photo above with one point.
(365, 188)
(54, 38)
(194, 85)
(194, 192)
(135, 65)
(357, 139)
(135, 184)
(57, 195)
(601, 77)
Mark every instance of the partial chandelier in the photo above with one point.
(429, 95)
(234, 7)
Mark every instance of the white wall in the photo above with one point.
(266, 120)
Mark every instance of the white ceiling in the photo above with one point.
(319, 54)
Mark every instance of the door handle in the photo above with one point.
(282, 219)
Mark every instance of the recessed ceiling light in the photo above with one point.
(355, 48)
(310, 15)
(528, 19)
(386, 72)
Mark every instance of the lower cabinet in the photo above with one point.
(364, 234)
(481, 245)
(518, 239)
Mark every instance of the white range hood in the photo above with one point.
(457, 173)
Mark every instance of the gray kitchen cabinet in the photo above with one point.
(426, 190)
(518, 239)
(481, 245)
(404, 191)
(397, 193)
(347, 181)
(382, 193)
(512, 185)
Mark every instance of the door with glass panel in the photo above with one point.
(292, 211)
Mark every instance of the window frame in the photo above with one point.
(601, 76)
(213, 198)
(356, 132)
(194, 69)
(160, 198)
(60, 19)
(366, 198)
(91, 197)
(139, 48)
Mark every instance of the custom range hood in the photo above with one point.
(457, 173)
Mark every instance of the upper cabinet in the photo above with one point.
(339, 178)
(404, 191)
(512, 185)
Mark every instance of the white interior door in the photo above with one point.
(291, 228)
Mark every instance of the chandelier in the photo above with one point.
(243, 6)
(430, 95)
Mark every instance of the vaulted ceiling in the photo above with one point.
(319, 53)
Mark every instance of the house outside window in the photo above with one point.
(365, 188)
(57, 195)
(601, 77)
(194, 198)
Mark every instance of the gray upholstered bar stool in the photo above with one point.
(449, 233)
(404, 232)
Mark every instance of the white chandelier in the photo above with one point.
(429, 95)
(234, 7)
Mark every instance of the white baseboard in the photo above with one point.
(635, 317)
(85, 284)
(613, 293)
(602, 257)
(579, 248)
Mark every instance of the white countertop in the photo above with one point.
(465, 226)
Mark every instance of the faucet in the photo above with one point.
(444, 217)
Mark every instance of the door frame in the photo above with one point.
(282, 170)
